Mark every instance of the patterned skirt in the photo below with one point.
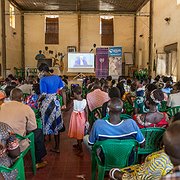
(51, 115)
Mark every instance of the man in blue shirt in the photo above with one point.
(115, 128)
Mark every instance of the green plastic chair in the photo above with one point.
(30, 148)
(116, 154)
(153, 137)
(172, 111)
(18, 165)
(163, 107)
(95, 114)
(38, 118)
(60, 98)
(39, 123)
(128, 108)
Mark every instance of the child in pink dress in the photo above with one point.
(78, 118)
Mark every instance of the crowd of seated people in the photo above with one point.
(146, 100)
(141, 100)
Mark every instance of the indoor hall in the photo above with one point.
(76, 71)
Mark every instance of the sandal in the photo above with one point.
(41, 164)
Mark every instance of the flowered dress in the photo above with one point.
(155, 166)
(139, 103)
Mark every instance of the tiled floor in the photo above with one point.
(64, 166)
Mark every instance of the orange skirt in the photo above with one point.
(77, 125)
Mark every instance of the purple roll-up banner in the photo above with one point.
(102, 62)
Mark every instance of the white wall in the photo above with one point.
(163, 33)
(13, 42)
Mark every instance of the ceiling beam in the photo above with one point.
(142, 5)
(15, 4)
(82, 12)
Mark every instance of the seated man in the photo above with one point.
(114, 128)
(172, 148)
(22, 120)
(96, 98)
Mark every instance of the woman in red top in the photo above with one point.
(153, 118)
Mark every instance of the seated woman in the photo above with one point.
(139, 106)
(155, 166)
(153, 118)
(9, 150)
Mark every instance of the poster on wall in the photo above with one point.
(161, 64)
(115, 61)
(128, 57)
(102, 64)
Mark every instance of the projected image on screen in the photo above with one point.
(80, 60)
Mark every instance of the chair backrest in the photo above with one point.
(172, 111)
(96, 114)
(163, 107)
(60, 98)
(153, 137)
(116, 152)
(18, 166)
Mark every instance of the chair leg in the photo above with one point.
(33, 160)
(101, 172)
(21, 171)
(93, 168)
(32, 149)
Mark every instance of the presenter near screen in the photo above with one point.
(80, 61)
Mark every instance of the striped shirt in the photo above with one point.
(126, 129)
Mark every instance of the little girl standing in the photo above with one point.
(78, 118)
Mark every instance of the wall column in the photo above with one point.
(79, 32)
(135, 29)
(22, 42)
(3, 38)
(150, 37)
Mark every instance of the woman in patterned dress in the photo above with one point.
(50, 106)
